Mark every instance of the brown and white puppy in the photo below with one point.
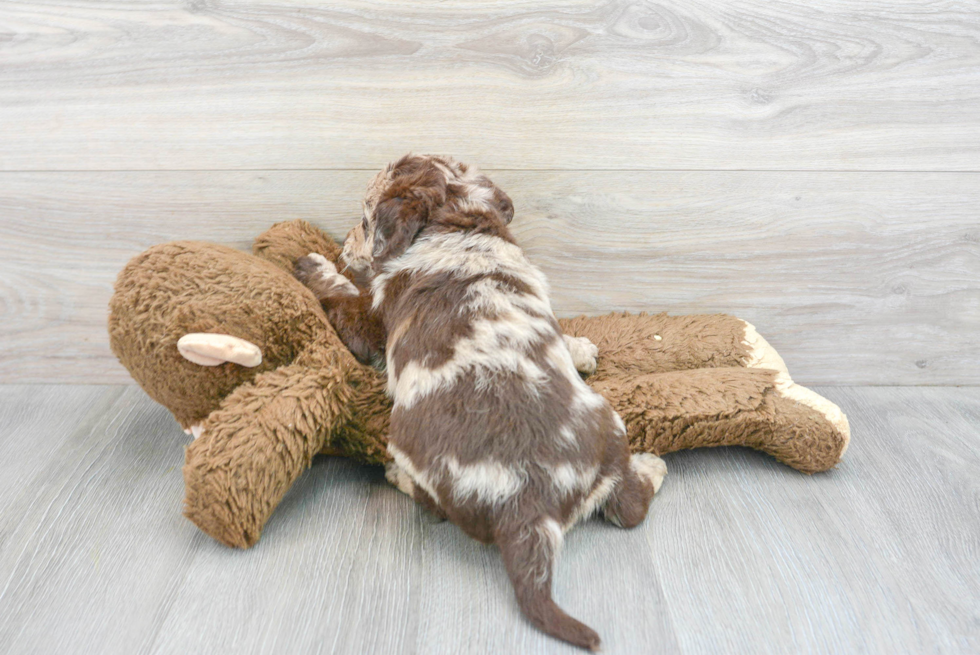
(492, 426)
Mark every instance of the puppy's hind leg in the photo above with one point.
(629, 501)
(397, 476)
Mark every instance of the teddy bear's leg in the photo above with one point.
(636, 344)
(762, 355)
(732, 406)
(633, 345)
(256, 444)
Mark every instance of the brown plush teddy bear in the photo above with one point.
(242, 354)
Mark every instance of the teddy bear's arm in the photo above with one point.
(284, 243)
(255, 445)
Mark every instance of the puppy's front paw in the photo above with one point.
(320, 275)
(308, 267)
(584, 353)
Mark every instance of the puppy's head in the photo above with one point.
(408, 196)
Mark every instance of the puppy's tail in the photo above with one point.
(530, 549)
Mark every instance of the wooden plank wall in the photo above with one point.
(813, 167)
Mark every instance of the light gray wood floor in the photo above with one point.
(739, 554)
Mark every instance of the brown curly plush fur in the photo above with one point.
(689, 388)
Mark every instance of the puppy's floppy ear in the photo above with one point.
(398, 220)
(393, 233)
(504, 205)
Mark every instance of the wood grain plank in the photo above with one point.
(739, 553)
(32, 434)
(857, 278)
(761, 84)
(605, 577)
(70, 234)
(94, 545)
(876, 556)
(335, 572)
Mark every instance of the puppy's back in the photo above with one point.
(490, 412)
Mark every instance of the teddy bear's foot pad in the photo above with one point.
(763, 355)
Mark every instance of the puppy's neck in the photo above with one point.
(456, 253)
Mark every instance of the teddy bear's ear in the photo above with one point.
(211, 349)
